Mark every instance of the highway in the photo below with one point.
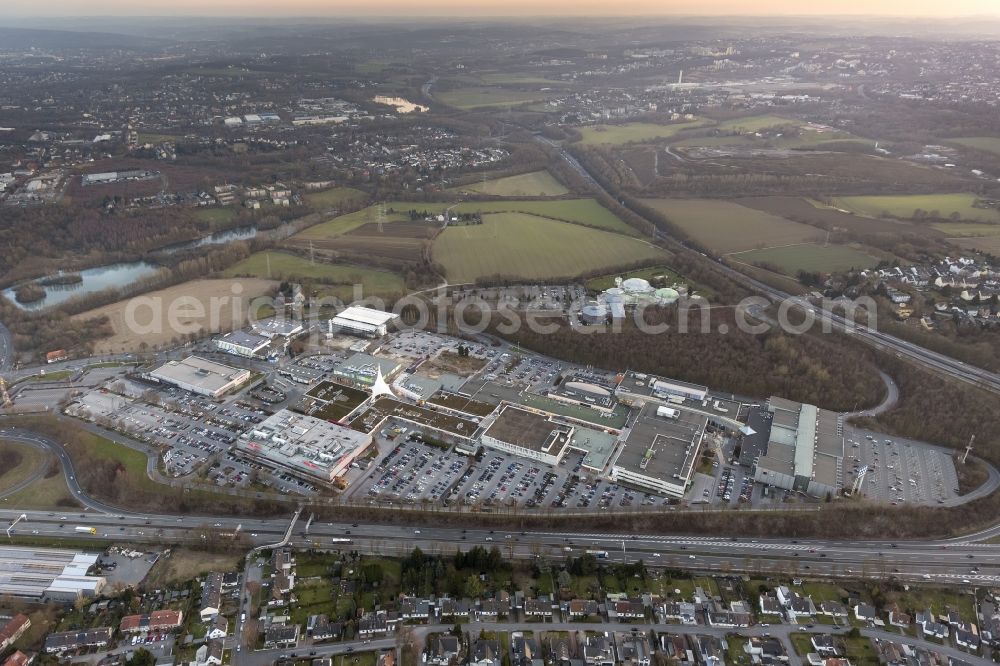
(961, 560)
(957, 562)
(6, 350)
(922, 356)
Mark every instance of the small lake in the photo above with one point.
(401, 104)
(94, 280)
(219, 238)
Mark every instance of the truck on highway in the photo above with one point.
(86, 530)
(340, 540)
(599, 554)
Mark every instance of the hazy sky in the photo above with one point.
(906, 8)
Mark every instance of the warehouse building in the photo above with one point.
(528, 434)
(307, 447)
(661, 450)
(241, 343)
(366, 322)
(805, 449)
(201, 376)
(47, 574)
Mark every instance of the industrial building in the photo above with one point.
(585, 390)
(661, 450)
(277, 326)
(241, 343)
(45, 574)
(805, 449)
(201, 376)
(640, 386)
(304, 446)
(366, 322)
(528, 434)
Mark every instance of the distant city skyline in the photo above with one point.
(486, 8)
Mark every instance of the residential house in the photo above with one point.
(769, 605)
(833, 609)
(208, 654)
(211, 596)
(537, 608)
(629, 609)
(967, 636)
(795, 605)
(493, 609)
(281, 635)
(13, 629)
(683, 611)
(18, 658)
(219, 628)
(581, 608)
(485, 653)
(599, 651)
(633, 648)
(62, 642)
(824, 645)
(766, 650)
(378, 623)
(412, 608)
(865, 612)
(319, 628)
(158, 621)
(456, 609)
(442, 650)
(898, 618)
(711, 650)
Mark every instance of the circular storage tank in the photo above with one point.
(637, 286)
(593, 314)
(667, 295)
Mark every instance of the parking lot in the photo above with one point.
(195, 432)
(900, 470)
(410, 473)
(413, 472)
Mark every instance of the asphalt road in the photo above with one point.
(960, 561)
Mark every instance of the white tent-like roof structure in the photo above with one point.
(381, 387)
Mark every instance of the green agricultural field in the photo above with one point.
(532, 247)
(519, 79)
(987, 244)
(967, 229)
(741, 132)
(581, 211)
(344, 223)
(216, 217)
(809, 257)
(988, 144)
(633, 132)
(756, 123)
(334, 197)
(535, 184)
(905, 206)
(477, 98)
(152, 137)
(725, 227)
(284, 266)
